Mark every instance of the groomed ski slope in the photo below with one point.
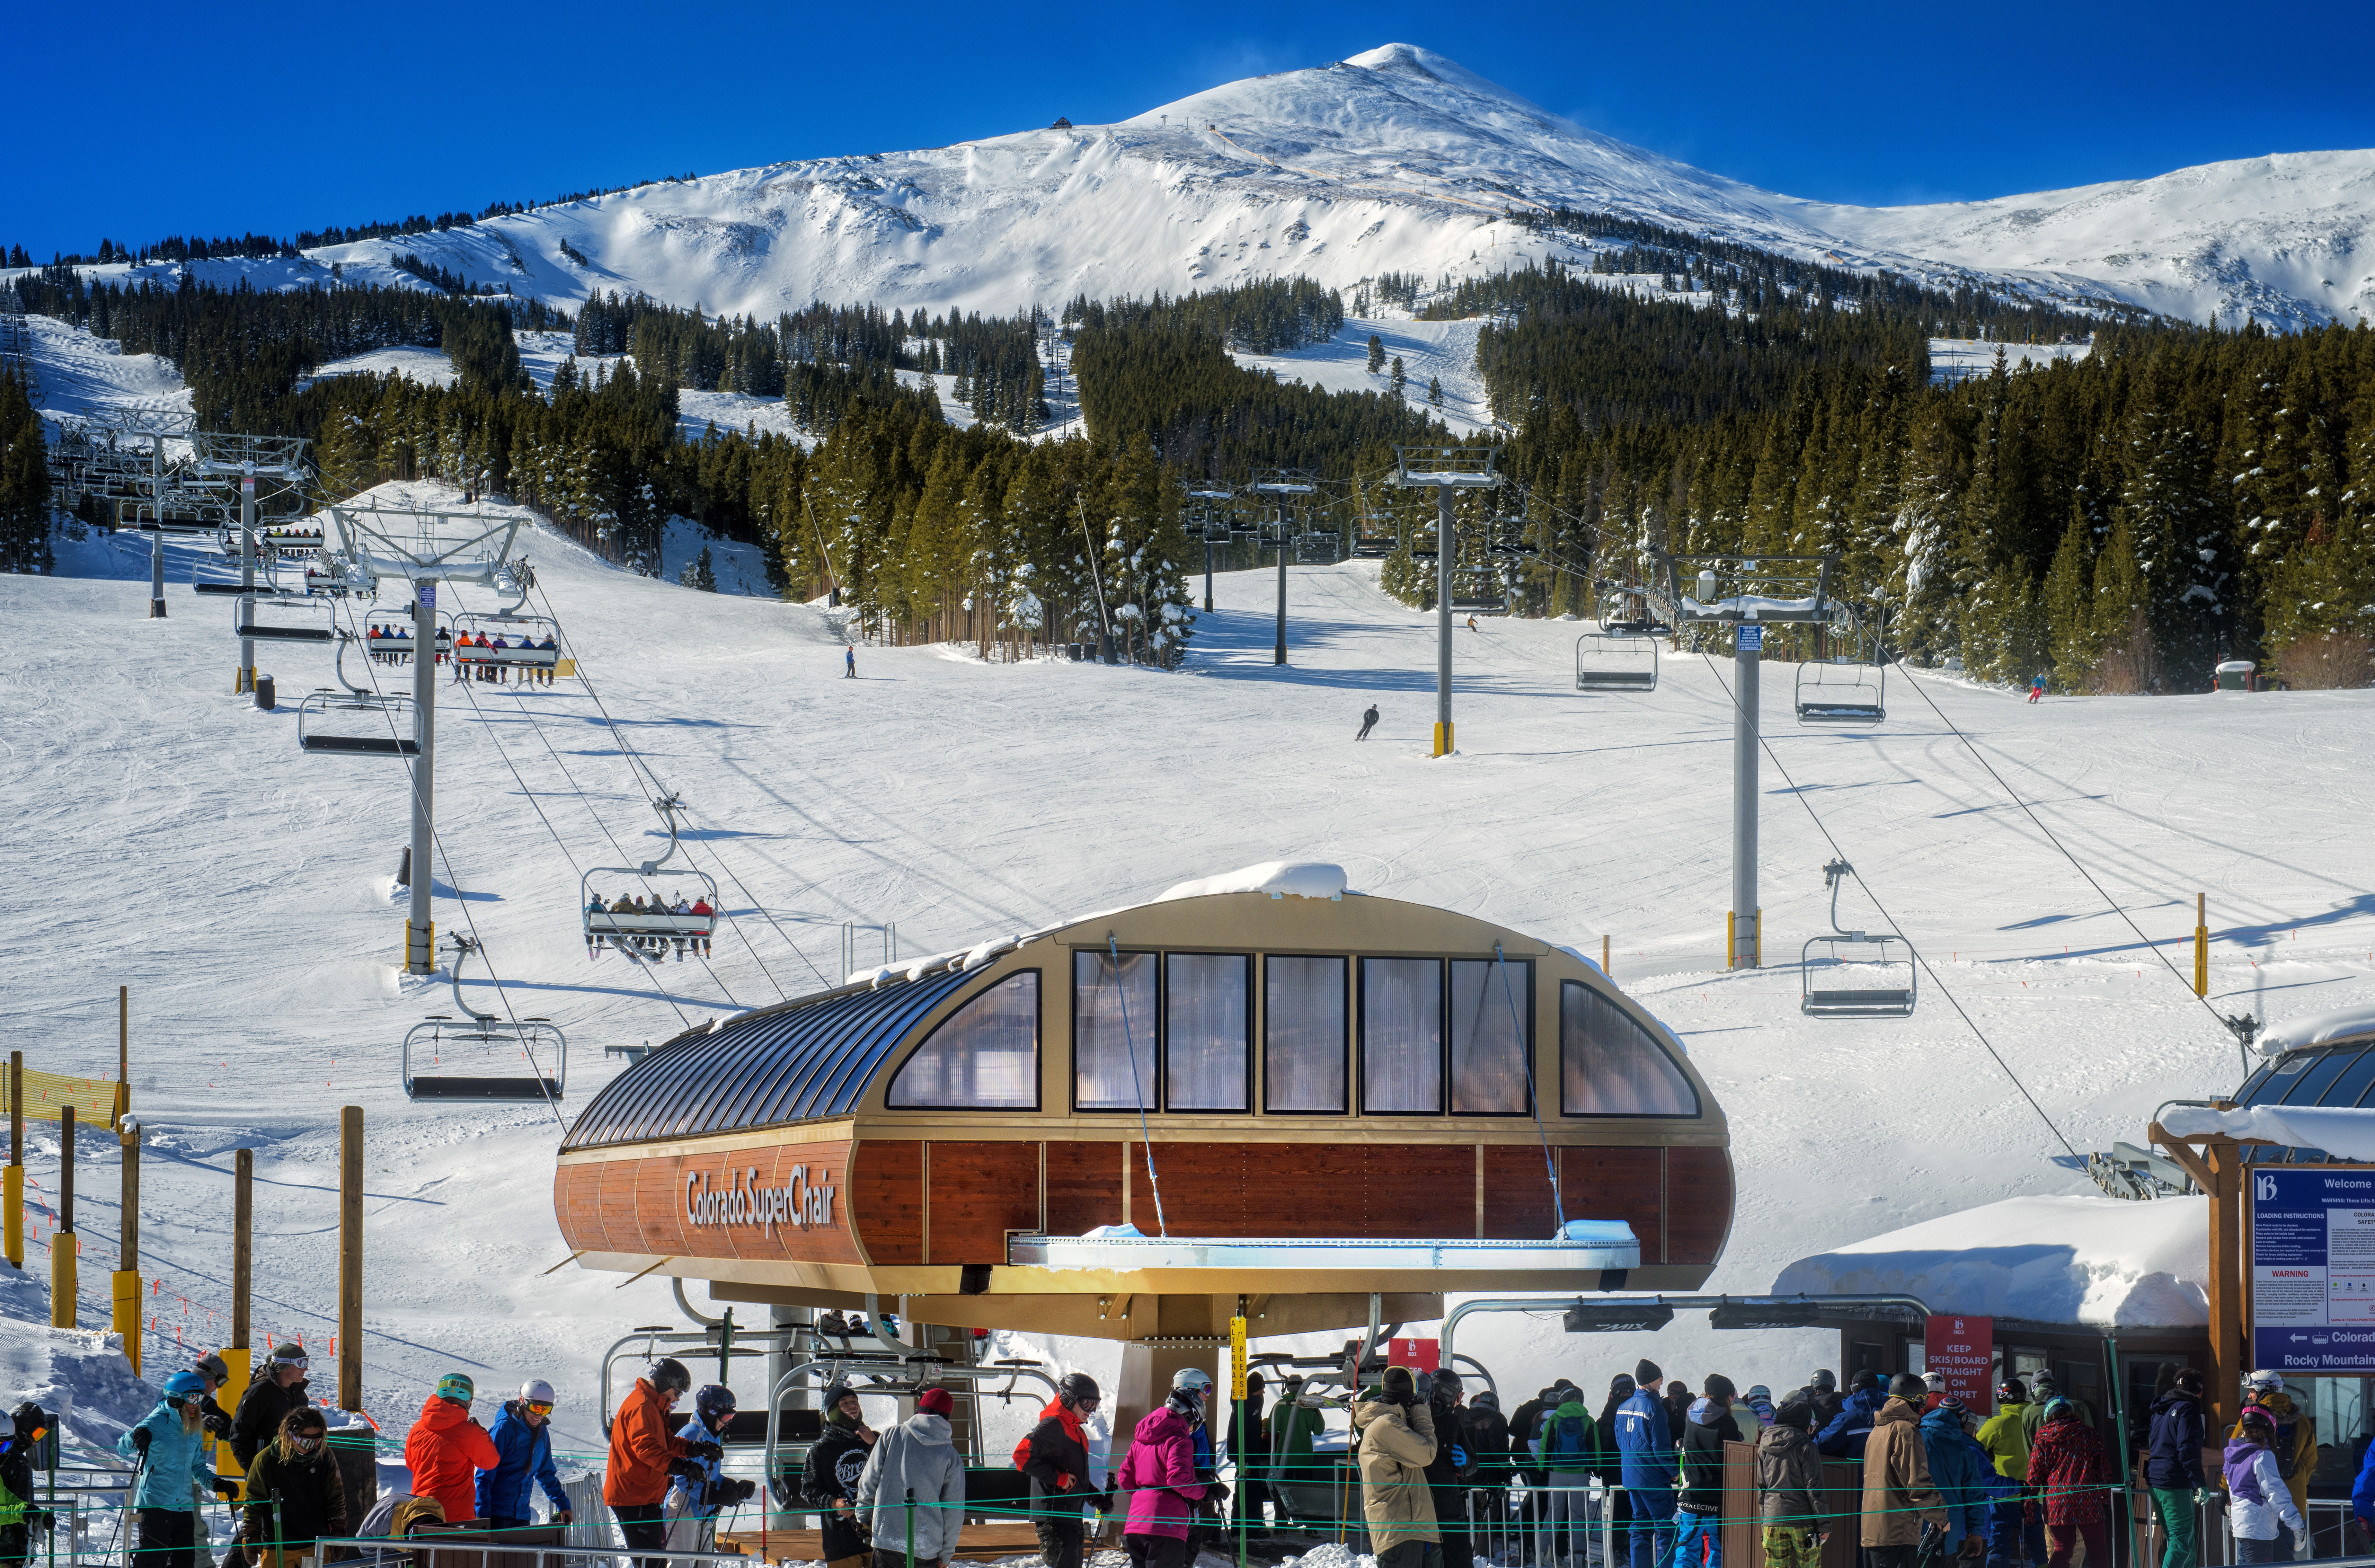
(170, 836)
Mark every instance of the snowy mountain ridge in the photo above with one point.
(1394, 161)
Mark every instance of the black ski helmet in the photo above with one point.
(1076, 1389)
(668, 1373)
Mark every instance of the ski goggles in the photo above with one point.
(300, 1362)
(541, 1408)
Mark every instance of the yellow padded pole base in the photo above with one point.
(124, 1288)
(246, 683)
(62, 1280)
(227, 1402)
(1443, 740)
(420, 949)
(12, 1194)
(2202, 961)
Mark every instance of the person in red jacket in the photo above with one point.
(643, 1450)
(446, 1449)
(2067, 1464)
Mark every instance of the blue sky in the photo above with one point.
(273, 116)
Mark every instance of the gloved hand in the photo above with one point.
(217, 1423)
(562, 1516)
(737, 1491)
(1459, 1456)
(226, 1488)
(39, 1519)
(685, 1468)
(709, 1451)
(1216, 1492)
(141, 1438)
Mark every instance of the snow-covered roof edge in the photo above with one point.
(2295, 1035)
(1280, 879)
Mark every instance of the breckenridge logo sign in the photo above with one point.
(799, 1203)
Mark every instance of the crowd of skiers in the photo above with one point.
(2025, 1488)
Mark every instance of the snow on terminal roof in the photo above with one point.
(1304, 878)
(2298, 1035)
(2100, 1261)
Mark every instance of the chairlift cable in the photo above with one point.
(588, 804)
(480, 714)
(437, 838)
(2233, 1026)
(634, 758)
(1919, 957)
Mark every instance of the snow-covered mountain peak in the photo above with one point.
(1397, 159)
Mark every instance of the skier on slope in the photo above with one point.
(2036, 686)
(1369, 723)
(850, 653)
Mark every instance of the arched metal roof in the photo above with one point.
(787, 1064)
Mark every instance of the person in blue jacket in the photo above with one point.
(1960, 1469)
(1646, 1446)
(1844, 1437)
(700, 1490)
(523, 1436)
(174, 1470)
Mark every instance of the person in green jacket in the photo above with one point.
(2005, 1434)
(2045, 1391)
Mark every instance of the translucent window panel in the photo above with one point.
(1402, 1035)
(1489, 1001)
(2312, 1087)
(1207, 1007)
(1610, 1065)
(983, 1057)
(1107, 1011)
(1303, 1033)
(2273, 1089)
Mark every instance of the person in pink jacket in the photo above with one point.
(1159, 1474)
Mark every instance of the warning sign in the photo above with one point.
(1963, 1351)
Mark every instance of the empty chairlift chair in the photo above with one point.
(355, 722)
(277, 619)
(480, 1055)
(1856, 973)
(1615, 661)
(1843, 692)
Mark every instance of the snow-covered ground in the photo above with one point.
(170, 837)
(1397, 159)
(1429, 350)
(1954, 358)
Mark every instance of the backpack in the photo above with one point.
(1569, 1440)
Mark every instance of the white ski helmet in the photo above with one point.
(536, 1391)
(1192, 1379)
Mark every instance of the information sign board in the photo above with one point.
(2313, 1268)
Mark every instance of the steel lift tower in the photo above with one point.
(252, 458)
(1446, 469)
(1283, 483)
(1748, 593)
(424, 548)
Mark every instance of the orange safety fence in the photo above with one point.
(97, 1101)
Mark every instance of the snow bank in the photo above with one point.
(80, 1375)
(2337, 1129)
(1305, 879)
(2099, 1261)
(2299, 1034)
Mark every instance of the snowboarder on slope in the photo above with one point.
(1369, 723)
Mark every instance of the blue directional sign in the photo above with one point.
(2313, 1268)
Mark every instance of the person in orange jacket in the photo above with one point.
(642, 1455)
(446, 1449)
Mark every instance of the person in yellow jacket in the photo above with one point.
(2005, 1434)
(2296, 1445)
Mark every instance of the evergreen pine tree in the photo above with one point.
(1435, 391)
(1396, 380)
(2074, 635)
(1376, 353)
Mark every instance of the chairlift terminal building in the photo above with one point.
(1334, 1089)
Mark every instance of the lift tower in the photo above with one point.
(1446, 468)
(424, 548)
(277, 460)
(1283, 483)
(1748, 593)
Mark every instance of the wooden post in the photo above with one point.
(12, 1228)
(62, 1282)
(1603, 957)
(350, 1257)
(125, 1287)
(242, 1244)
(2228, 1354)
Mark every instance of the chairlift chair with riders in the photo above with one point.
(355, 722)
(523, 637)
(1864, 975)
(648, 933)
(477, 1044)
(393, 636)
